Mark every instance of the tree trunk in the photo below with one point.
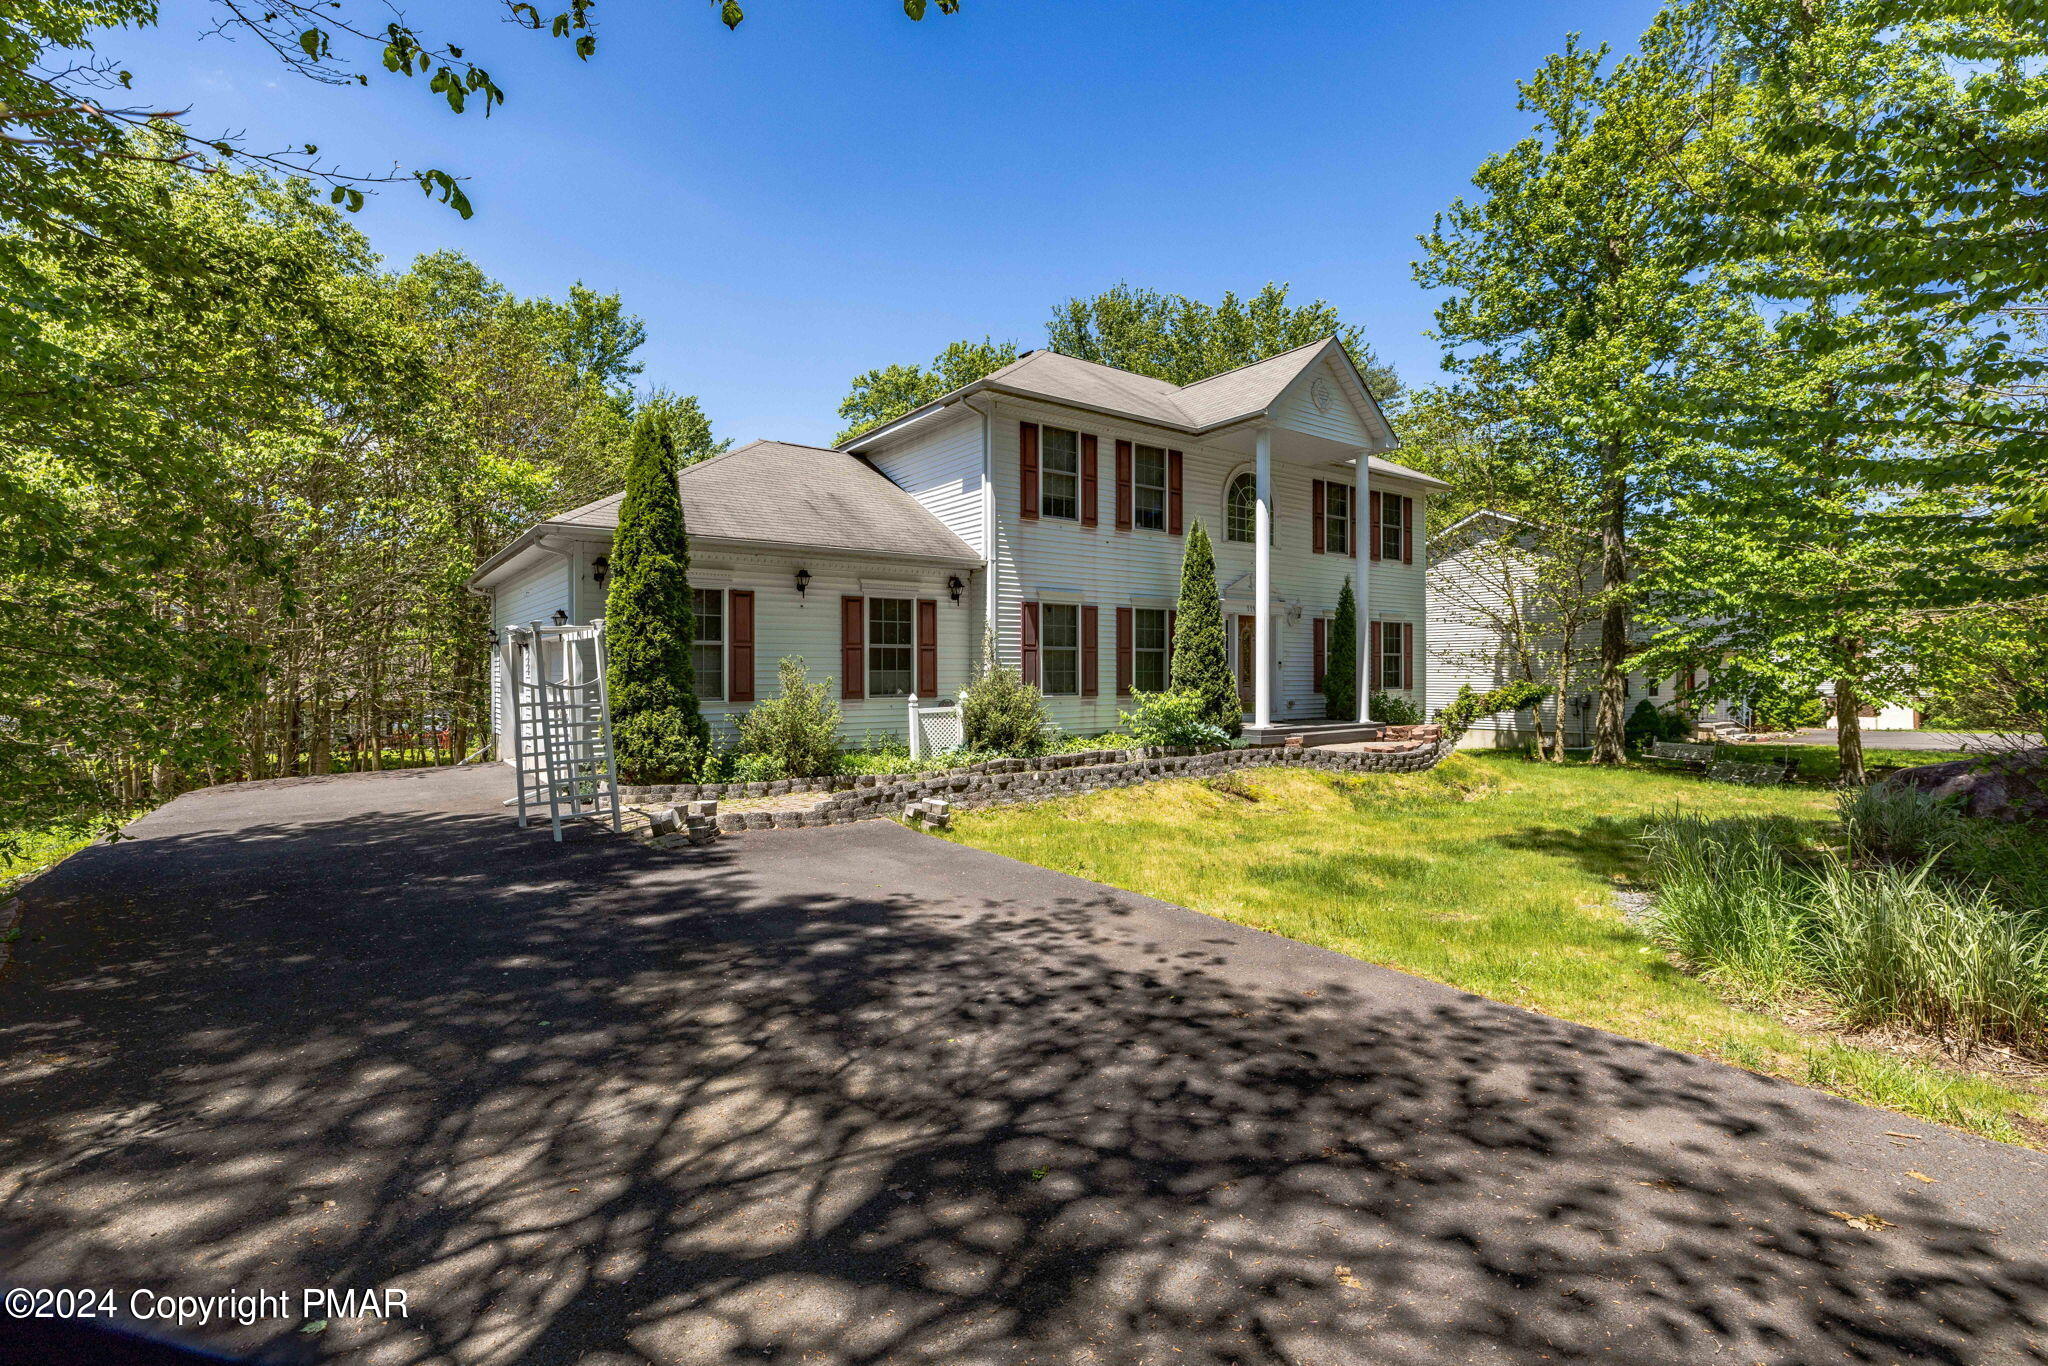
(1609, 743)
(1849, 725)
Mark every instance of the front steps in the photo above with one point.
(1313, 733)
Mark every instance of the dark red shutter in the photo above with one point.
(927, 647)
(1372, 662)
(1027, 656)
(1124, 655)
(1408, 655)
(1318, 510)
(1027, 471)
(1173, 492)
(853, 683)
(1091, 628)
(1373, 536)
(1322, 639)
(1090, 495)
(1123, 486)
(1407, 531)
(739, 649)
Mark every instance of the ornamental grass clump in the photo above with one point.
(1730, 902)
(1901, 946)
(1743, 902)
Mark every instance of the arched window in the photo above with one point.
(1240, 508)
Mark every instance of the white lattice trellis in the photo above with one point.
(935, 729)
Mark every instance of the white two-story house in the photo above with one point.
(1049, 504)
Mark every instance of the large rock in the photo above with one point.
(2012, 786)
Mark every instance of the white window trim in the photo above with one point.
(868, 647)
(1045, 650)
(724, 640)
(1165, 650)
(1229, 483)
(1165, 487)
(1405, 625)
(1045, 468)
(1390, 520)
(1350, 492)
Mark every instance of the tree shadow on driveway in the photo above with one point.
(852, 1096)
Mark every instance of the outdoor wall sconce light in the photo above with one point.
(955, 587)
(803, 581)
(561, 616)
(494, 638)
(600, 569)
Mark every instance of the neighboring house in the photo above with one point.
(1494, 576)
(1050, 503)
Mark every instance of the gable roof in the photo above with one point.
(776, 493)
(1218, 401)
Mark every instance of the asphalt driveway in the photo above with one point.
(854, 1095)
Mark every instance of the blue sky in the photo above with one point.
(833, 187)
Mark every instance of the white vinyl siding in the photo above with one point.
(940, 466)
(1040, 561)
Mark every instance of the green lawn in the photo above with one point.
(1492, 874)
(1818, 763)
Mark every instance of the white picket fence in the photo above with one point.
(935, 729)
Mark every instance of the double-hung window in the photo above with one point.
(707, 648)
(1337, 518)
(1059, 473)
(1060, 648)
(1148, 488)
(1148, 649)
(1391, 527)
(1393, 652)
(890, 646)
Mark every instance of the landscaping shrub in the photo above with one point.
(1468, 706)
(1340, 654)
(1201, 663)
(1002, 714)
(1394, 709)
(1644, 726)
(797, 733)
(658, 733)
(1171, 718)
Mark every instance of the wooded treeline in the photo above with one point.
(1755, 309)
(245, 484)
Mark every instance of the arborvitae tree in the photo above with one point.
(1340, 655)
(1201, 664)
(658, 734)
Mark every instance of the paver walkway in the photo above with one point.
(855, 1095)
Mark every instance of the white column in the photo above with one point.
(1262, 584)
(1361, 584)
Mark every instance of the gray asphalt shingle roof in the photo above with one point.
(777, 493)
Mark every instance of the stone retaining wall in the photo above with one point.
(1003, 782)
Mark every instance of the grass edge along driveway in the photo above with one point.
(1490, 874)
